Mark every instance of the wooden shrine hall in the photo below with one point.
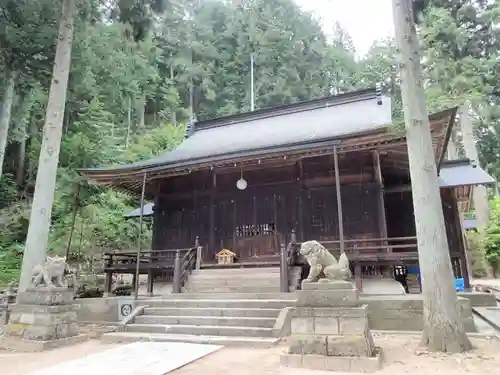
(333, 169)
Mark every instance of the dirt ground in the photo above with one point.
(402, 355)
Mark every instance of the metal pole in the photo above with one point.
(252, 95)
(139, 239)
(339, 199)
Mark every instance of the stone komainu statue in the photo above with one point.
(323, 263)
(51, 273)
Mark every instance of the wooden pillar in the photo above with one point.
(461, 244)
(176, 284)
(139, 241)
(199, 251)
(357, 276)
(300, 208)
(339, 200)
(381, 216)
(234, 226)
(211, 219)
(107, 284)
(150, 282)
(135, 283)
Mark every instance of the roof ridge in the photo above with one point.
(286, 109)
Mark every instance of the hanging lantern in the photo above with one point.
(241, 184)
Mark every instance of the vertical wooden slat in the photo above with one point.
(234, 225)
(339, 200)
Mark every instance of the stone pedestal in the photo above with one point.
(43, 318)
(329, 330)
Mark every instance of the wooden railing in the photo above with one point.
(183, 266)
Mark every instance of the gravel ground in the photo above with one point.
(402, 355)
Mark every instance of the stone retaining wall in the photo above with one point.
(405, 313)
(103, 309)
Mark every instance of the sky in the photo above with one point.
(365, 20)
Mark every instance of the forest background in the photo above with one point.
(142, 68)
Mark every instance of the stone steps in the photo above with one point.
(257, 322)
(128, 337)
(208, 312)
(238, 280)
(218, 306)
(207, 330)
(221, 303)
(234, 289)
(215, 295)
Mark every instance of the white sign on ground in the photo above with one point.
(140, 358)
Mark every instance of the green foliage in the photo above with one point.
(475, 246)
(492, 235)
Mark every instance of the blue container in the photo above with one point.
(460, 284)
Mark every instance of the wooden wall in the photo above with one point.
(279, 198)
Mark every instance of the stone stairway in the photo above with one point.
(223, 306)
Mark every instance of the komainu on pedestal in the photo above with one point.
(45, 315)
(329, 326)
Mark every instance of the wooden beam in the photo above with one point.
(397, 189)
(339, 200)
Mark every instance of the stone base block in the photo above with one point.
(333, 363)
(45, 323)
(329, 321)
(46, 296)
(348, 346)
(21, 345)
(328, 294)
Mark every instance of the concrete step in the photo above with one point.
(239, 269)
(128, 337)
(221, 303)
(208, 311)
(234, 289)
(234, 273)
(283, 296)
(209, 330)
(233, 282)
(254, 322)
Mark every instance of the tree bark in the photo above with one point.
(142, 112)
(21, 162)
(443, 329)
(41, 210)
(480, 194)
(5, 114)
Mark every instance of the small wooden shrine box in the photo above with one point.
(225, 256)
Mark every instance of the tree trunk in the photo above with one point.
(5, 113)
(21, 162)
(142, 112)
(41, 210)
(480, 194)
(443, 329)
(129, 122)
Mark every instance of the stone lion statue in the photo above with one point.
(323, 263)
(51, 273)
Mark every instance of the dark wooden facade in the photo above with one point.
(378, 225)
